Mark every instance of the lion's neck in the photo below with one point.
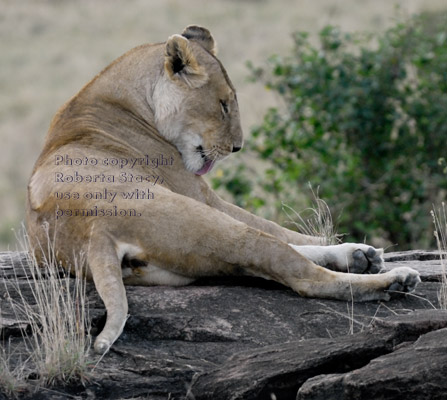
(113, 107)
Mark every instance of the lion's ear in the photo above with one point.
(181, 64)
(202, 36)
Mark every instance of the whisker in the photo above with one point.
(215, 153)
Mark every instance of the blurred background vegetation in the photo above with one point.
(355, 106)
(364, 119)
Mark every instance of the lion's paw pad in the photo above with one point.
(367, 261)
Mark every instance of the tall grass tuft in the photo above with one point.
(57, 348)
(315, 221)
(440, 221)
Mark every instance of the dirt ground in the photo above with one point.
(50, 49)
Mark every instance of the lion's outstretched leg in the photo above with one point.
(199, 240)
(347, 286)
(106, 270)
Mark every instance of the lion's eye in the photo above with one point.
(224, 106)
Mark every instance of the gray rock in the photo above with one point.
(243, 338)
(282, 368)
(414, 371)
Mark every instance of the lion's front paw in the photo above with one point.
(405, 280)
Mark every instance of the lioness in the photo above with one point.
(119, 179)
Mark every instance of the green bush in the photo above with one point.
(364, 119)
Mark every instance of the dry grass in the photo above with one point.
(440, 221)
(57, 347)
(12, 377)
(315, 221)
(50, 49)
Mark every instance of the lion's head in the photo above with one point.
(195, 103)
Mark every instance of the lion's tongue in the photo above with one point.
(206, 167)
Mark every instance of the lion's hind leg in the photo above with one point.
(347, 257)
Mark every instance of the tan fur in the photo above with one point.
(173, 99)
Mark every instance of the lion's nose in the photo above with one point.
(236, 149)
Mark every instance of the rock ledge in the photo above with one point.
(246, 338)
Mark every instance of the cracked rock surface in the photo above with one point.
(247, 338)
